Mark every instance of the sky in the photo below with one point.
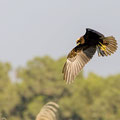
(30, 28)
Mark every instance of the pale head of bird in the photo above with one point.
(80, 40)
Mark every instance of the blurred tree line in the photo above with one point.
(40, 81)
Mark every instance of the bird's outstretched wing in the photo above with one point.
(76, 60)
(48, 112)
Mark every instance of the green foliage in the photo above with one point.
(40, 81)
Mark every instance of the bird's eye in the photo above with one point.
(78, 41)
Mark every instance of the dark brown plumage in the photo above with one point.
(84, 51)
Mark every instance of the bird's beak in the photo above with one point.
(78, 41)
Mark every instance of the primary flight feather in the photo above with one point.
(84, 51)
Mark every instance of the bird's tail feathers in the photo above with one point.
(108, 47)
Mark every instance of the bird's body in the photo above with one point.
(84, 51)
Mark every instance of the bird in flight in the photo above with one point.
(86, 47)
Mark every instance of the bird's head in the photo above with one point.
(80, 40)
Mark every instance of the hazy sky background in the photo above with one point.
(30, 28)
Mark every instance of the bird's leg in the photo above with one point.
(103, 47)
